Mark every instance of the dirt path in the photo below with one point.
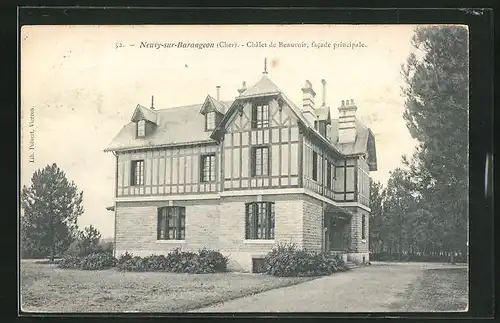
(368, 289)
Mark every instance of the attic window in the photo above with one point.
(260, 116)
(141, 128)
(210, 121)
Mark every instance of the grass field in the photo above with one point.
(437, 290)
(46, 288)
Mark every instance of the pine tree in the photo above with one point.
(436, 114)
(51, 206)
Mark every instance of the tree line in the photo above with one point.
(423, 210)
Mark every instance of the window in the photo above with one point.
(171, 223)
(137, 173)
(329, 175)
(363, 227)
(210, 121)
(141, 128)
(208, 168)
(260, 161)
(259, 220)
(315, 166)
(260, 116)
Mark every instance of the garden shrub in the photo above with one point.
(70, 262)
(98, 261)
(181, 261)
(211, 261)
(134, 263)
(124, 257)
(177, 261)
(286, 260)
(155, 263)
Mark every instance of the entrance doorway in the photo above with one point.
(336, 233)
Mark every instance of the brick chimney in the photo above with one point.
(308, 102)
(347, 121)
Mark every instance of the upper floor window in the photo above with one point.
(208, 168)
(141, 128)
(315, 166)
(259, 220)
(260, 116)
(210, 121)
(137, 173)
(171, 223)
(260, 161)
(329, 175)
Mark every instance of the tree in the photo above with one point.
(399, 203)
(51, 206)
(88, 240)
(377, 194)
(436, 114)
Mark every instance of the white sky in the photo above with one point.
(83, 89)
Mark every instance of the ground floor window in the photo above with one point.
(171, 223)
(363, 227)
(260, 220)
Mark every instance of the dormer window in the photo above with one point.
(141, 128)
(210, 121)
(260, 116)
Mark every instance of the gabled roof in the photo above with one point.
(218, 105)
(170, 130)
(264, 87)
(364, 143)
(143, 113)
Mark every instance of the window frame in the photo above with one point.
(260, 221)
(141, 124)
(329, 181)
(253, 161)
(260, 119)
(213, 167)
(315, 166)
(210, 113)
(136, 165)
(164, 216)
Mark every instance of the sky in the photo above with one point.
(79, 87)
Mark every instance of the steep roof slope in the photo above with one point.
(170, 130)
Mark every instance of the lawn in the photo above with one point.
(46, 288)
(443, 289)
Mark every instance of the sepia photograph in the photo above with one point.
(244, 168)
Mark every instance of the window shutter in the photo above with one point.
(249, 221)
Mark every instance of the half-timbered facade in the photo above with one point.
(241, 176)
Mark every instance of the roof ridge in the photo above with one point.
(191, 105)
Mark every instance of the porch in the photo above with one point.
(337, 230)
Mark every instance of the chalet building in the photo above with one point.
(241, 176)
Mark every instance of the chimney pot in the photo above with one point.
(342, 103)
(352, 102)
(324, 92)
(218, 92)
